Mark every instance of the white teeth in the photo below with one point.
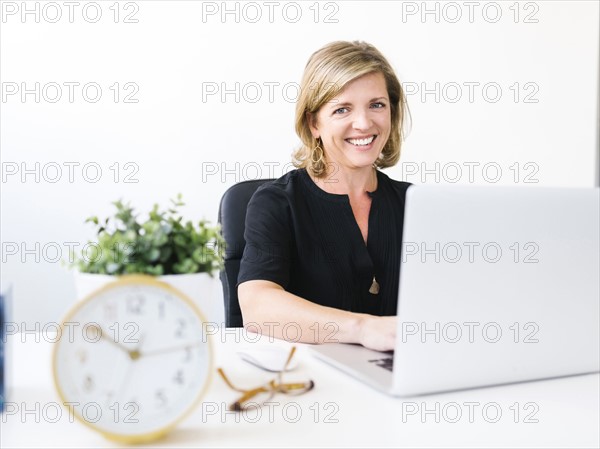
(361, 141)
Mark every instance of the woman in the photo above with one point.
(322, 254)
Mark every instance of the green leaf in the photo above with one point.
(154, 255)
(163, 244)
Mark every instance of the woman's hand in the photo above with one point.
(267, 306)
(378, 332)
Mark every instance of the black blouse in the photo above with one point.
(307, 241)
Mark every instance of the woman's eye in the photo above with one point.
(340, 110)
(379, 105)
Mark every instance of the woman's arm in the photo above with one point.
(269, 306)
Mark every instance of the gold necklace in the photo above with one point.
(374, 289)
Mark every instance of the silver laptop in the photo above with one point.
(497, 285)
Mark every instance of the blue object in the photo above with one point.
(5, 299)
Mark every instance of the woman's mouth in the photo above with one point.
(362, 143)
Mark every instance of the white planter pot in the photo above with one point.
(204, 290)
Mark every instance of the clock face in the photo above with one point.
(133, 358)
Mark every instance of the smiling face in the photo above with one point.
(355, 125)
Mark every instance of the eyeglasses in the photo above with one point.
(265, 392)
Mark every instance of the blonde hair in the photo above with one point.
(328, 70)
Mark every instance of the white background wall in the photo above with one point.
(543, 56)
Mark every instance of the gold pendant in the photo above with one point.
(374, 290)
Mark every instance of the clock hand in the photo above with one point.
(133, 354)
(125, 380)
(130, 369)
(171, 349)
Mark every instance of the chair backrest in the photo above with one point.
(232, 217)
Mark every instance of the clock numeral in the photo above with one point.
(188, 354)
(88, 384)
(110, 312)
(179, 332)
(109, 395)
(161, 398)
(135, 305)
(82, 355)
(178, 379)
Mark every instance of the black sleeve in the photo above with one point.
(268, 238)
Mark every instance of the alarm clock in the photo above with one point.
(133, 359)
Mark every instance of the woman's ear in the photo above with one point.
(312, 124)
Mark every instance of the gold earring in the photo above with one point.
(319, 151)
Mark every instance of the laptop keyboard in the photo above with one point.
(386, 362)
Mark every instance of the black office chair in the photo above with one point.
(232, 217)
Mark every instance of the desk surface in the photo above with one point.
(339, 412)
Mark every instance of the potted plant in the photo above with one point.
(184, 255)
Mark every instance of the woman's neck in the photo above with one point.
(354, 183)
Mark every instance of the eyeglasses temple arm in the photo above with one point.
(228, 382)
(296, 386)
(292, 351)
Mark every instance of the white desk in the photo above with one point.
(339, 412)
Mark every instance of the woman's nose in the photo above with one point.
(362, 120)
